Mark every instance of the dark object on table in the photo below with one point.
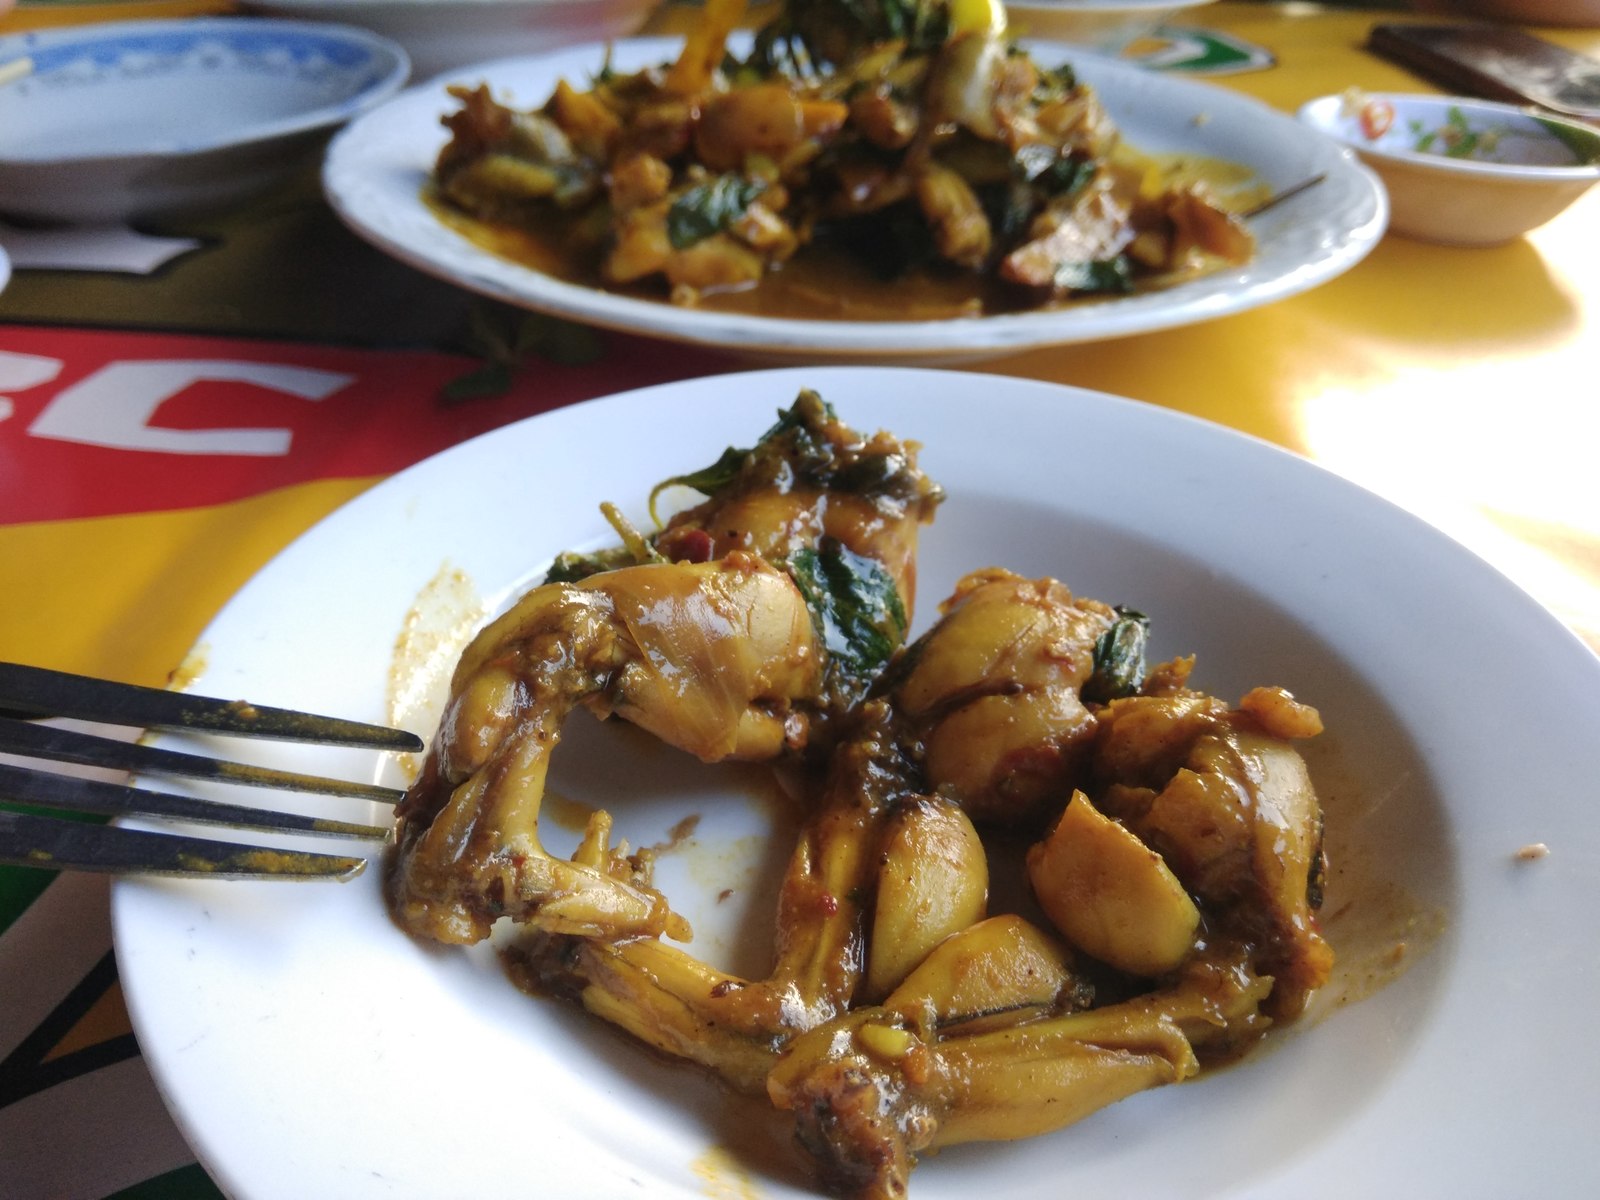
(1495, 63)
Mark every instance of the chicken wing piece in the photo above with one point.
(1226, 801)
(994, 691)
(874, 1088)
(714, 658)
(684, 1007)
(730, 633)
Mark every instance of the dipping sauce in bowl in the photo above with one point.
(1462, 171)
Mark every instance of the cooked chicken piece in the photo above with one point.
(592, 127)
(872, 1090)
(643, 246)
(736, 1027)
(1071, 236)
(1110, 895)
(933, 882)
(498, 159)
(764, 120)
(884, 119)
(714, 658)
(1231, 808)
(709, 646)
(638, 179)
(960, 227)
(994, 690)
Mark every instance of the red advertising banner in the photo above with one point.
(97, 422)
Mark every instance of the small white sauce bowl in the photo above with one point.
(443, 34)
(1459, 171)
(138, 119)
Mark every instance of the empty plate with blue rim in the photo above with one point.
(145, 118)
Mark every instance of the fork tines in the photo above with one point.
(29, 839)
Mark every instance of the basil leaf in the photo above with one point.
(1065, 176)
(1118, 658)
(1584, 144)
(484, 381)
(1056, 82)
(708, 480)
(923, 26)
(503, 338)
(708, 208)
(855, 604)
(1107, 275)
(796, 419)
(808, 409)
(565, 343)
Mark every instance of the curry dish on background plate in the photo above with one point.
(893, 160)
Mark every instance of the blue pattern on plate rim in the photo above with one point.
(325, 60)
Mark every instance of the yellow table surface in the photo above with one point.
(1459, 383)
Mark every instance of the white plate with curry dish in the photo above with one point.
(376, 171)
(308, 1047)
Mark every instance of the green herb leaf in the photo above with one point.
(708, 480)
(808, 408)
(1064, 176)
(796, 419)
(710, 207)
(855, 604)
(569, 566)
(1113, 275)
(503, 337)
(1584, 143)
(483, 382)
(1057, 81)
(1119, 658)
(565, 343)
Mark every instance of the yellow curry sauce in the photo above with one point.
(823, 282)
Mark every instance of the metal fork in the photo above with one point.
(32, 839)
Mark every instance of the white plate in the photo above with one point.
(1105, 25)
(139, 118)
(441, 34)
(5, 269)
(375, 170)
(308, 1048)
